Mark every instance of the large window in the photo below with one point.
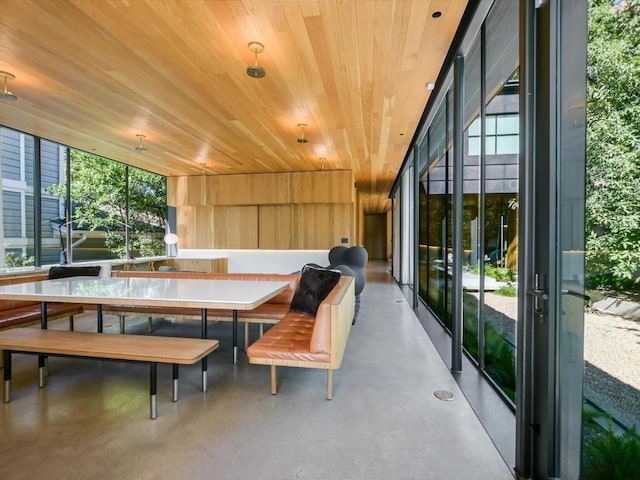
(102, 210)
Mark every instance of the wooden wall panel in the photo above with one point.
(258, 189)
(176, 191)
(318, 226)
(330, 186)
(235, 227)
(186, 191)
(275, 227)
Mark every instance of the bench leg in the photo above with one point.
(42, 360)
(71, 323)
(246, 336)
(174, 390)
(329, 384)
(204, 374)
(149, 324)
(274, 380)
(7, 375)
(153, 387)
(122, 323)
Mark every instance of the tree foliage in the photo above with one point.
(98, 193)
(613, 143)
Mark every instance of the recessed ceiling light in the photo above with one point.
(431, 86)
(436, 14)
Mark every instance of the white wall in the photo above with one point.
(261, 261)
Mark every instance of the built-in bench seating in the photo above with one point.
(295, 339)
(300, 340)
(14, 313)
(19, 313)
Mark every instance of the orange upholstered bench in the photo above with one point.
(301, 340)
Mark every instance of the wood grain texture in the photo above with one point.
(99, 345)
(275, 227)
(320, 226)
(235, 227)
(92, 74)
(322, 187)
(250, 189)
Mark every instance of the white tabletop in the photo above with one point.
(166, 292)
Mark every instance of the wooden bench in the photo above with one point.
(300, 340)
(136, 348)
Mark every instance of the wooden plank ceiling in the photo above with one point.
(92, 74)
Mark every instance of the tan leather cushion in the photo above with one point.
(288, 340)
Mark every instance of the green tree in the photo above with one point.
(98, 192)
(613, 143)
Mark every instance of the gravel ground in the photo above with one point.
(611, 353)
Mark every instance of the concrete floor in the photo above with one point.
(92, 421)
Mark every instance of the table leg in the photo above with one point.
(7, 376)
(153, 387)
(235, 336)
(42, 359)
(100, 318)
(204, 360)
(175, 382)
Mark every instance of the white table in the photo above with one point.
(231, 295)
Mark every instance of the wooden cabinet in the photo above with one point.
(289, 210)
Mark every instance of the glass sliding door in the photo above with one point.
(500, 195)
(473, 269)
(436, 181)
(550, 340)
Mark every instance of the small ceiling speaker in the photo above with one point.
(255, 70)
(6, 94)
(301, 138)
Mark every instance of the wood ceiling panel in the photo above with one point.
(92, 74)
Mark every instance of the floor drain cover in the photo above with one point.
(444, 395)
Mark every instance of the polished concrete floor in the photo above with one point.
(92, 421)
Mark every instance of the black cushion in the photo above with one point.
(314, 286)
(66, 272)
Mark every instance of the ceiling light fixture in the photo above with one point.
(255, 70)
(203, 165)
(322, 160)
(139, 147)
(6, 94)
(301, 138)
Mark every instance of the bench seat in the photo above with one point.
(137, 348)
(290, 340)
(310, 342)
(31, 313)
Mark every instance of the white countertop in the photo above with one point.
(168, 292)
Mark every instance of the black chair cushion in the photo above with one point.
(66, 272)
(314, 286)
